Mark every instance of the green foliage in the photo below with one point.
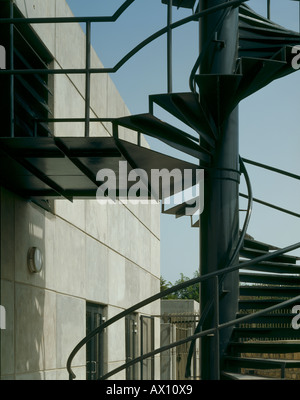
(190, 292)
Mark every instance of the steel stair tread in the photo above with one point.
(236, 376)
(266, 363)
(274, 267)
(186, 107)
(254, 277)
(174, 137)
(222, 92)
(258, 304)
(257, 73)
(269, 318)
(267, 333)
(255, 244)
(265, 347)
(269, 291)
(248, 252)
(179, 210)
(257, 33)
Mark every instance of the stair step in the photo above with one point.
(252, 277)
(278, 347)
(275, 318)
(221, 93)
(174, 137)
(180, 210)
(256, 304)
(218, 92)
(257, 73)
(186, 107)
(253, 253)
(255, 244)
(266, 291)
(237, 377)
(266, 333)
(261, 363)
(275, 267)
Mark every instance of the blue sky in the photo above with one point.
(269, 119)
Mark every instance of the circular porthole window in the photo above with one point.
(35, 260)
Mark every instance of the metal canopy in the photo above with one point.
(66, 167)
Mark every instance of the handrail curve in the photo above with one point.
(196, 336)
(131, 53)
(157, 296)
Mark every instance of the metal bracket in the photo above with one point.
(221, 43)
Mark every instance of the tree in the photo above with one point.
(190, 292)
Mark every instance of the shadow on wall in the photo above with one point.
(29, 337)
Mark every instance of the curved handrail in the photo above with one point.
(151, 38)
(157, 296)
(273, 169)
(52, 20)
(196, 336)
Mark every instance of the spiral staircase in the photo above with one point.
(263, 343)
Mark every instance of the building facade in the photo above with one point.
(97, 259)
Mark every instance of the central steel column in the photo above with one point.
(219, 227)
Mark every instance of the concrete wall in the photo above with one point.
(102, 254)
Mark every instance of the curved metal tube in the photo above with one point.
(157, 296)
(196, 336)
(194, 17)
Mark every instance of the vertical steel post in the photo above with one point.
(268, 9)
(142, 348)
(219, 227)
(87, 78)
(169, 47)
(11, 66)
(216, 325)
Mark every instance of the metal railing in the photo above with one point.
(217, 276)
(213, 275)
(88, 70)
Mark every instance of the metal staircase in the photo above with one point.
(262, 344)
(268, 279)
(267, 346)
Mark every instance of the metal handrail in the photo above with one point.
(278, 171)
(265, 203)
(198, 335)
(273, 169)
(53, 20)
(157, 296)
(194, 17)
